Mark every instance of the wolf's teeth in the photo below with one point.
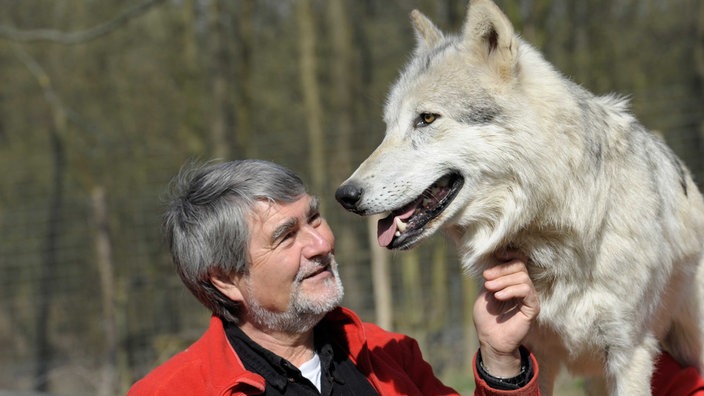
(400, 225)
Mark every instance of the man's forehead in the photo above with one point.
(270, 211)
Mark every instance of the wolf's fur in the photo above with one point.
(609, 217)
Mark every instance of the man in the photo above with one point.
(252, 246)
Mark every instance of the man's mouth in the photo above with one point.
(317, 271)
(403, 227)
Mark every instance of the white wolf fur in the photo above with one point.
(609, 217)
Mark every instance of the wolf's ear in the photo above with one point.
(490, 34)
(427, 34)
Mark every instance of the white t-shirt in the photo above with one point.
(311, 370)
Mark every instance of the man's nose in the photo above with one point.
(317, 243)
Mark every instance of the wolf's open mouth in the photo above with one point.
(403, 226)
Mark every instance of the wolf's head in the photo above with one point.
(449, 157)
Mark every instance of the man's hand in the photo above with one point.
(503, 313)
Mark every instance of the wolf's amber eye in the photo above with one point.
(425, 119)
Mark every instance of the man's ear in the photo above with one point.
(227, 286)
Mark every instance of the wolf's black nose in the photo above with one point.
(348, 195)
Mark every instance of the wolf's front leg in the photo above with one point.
(629, 371)
(549, 369)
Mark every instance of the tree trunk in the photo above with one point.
(456, 12)
(341, 112)
(219, 145)
(243, 77)
(341, 83)
(311, 95)
(381, 278)
(580, 44)
(47, 271)
(699, 59)
(103, 249)
(414, 314)
(439, 301)
(469, 293)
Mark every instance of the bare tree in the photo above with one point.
(412, 288)
(243, 77)
(311, 93)
(340, 114)
(103, 248)
(219, 66)
(57, 131)
(381, 278)
(699, 60)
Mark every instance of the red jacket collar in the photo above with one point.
(222, 364)
(226, 370)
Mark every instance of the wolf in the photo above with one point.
(486, 141)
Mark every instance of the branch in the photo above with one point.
(42, 77)
(8, 32)
(47, 87)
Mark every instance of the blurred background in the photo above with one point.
(103, 101)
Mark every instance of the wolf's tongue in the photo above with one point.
(386, 227)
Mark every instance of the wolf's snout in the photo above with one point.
(348, 195)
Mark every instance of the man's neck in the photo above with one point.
(296, 348)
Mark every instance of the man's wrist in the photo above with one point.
(519, 380)
(500, 364)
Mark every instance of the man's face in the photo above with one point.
(293, 279)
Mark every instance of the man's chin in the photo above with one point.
(320, 304)
(289, 322)
(311, 299)
(302, 315)
(322, 292)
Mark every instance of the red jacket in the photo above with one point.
(392, 362)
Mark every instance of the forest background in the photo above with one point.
(103, 101)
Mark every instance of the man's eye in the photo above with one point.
(315, 219)
(425, 119)
(283, 238)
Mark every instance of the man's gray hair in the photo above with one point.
(206, 222)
